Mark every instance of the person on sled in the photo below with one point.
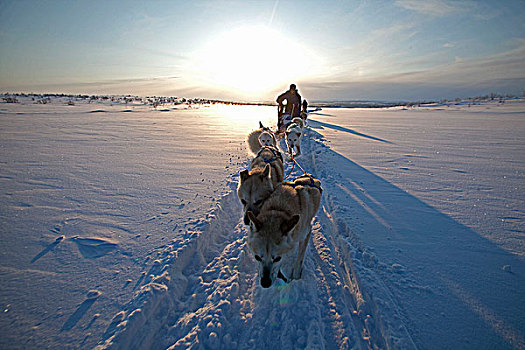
(292, 108)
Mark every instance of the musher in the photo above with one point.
(292, 108)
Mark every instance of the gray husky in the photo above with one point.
(280, 232)
(257, 184)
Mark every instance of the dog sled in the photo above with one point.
(284, 119)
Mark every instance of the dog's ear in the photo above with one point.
(254, 220)
(266, 171)
(244, 175)
(288, 225)
(261, 125)
(298, 134)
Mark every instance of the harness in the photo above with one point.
(310, 184)
(281, 276)
(293, 166)
(275, 152)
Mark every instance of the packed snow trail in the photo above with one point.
(207, 294)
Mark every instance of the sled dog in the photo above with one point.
(256, 185)
(267, 139)
(253, 140)
(279, 234)
(294, 134)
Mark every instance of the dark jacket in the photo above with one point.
(293, 101)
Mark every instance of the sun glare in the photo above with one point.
(252, 60)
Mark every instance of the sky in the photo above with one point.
(252, 50)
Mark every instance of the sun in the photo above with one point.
(251, 60)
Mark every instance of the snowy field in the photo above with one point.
(121, 229)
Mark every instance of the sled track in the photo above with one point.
(204, 294)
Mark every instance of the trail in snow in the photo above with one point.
(206, 295)
(383, 270)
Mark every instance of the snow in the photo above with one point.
(121, 229)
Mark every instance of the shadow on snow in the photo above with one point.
(447, 279)
(315, 124)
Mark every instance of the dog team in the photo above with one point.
(278, 213)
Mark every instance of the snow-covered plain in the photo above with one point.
(121, 229)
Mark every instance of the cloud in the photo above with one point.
(506, 65)
(435, 7)
(407, 91)
(503, 73)
(367, 56)
(134, 86)
(129, 80)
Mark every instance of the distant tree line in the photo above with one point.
(156, 101)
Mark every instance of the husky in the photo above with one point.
(253, 140)
(294, 134)
(284, 121)
(267, 139)
(255, 186)
(279, 234)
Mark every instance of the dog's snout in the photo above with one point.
(266, 282)
(253, 209)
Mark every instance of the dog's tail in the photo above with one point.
(253, 141)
